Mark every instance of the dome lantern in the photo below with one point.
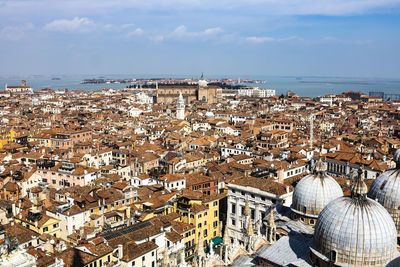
(359, 189)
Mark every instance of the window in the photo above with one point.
(333, 256)
(215, 224)
(233, 222)
(143, 258)
(46, 229)
(133, 263)
(215, 203)
(216, 213)
(233, 208)
(152, 253)
(383, 185)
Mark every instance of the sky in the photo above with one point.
(351, 38)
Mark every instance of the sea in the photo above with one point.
(311, 86)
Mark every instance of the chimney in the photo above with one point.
(14, 209)
(36, 224)
(120, 251)
(280, 174)
(287, 189)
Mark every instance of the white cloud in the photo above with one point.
(255, 39)
(331, 39)
(76, 24)
(265, 39)
(134, 33)
(157, 38)
(15, 33)
(182, 32)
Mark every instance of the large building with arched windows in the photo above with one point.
(209, 94)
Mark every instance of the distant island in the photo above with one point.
(165, 81)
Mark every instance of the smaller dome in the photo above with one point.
(209, 115)
(314, 192)
(386, 190)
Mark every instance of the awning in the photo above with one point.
(216, 240)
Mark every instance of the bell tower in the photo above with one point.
(180, 109)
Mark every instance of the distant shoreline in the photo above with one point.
(330, 82)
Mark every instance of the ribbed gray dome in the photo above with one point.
(358, 232)
(386, 190)
(313, 193)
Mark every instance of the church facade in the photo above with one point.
(202, 92)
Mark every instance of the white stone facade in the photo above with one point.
(259, 203)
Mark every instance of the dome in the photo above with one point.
(209, 115)
(386, 190)
(314, 192)
(202, 83)
(355, 231)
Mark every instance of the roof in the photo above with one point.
(288, 251)
(263, 184)
(173, 236)
(131, 250)
(73, 257)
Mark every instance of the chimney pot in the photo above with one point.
(120, 251)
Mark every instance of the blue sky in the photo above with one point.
(358, 38)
